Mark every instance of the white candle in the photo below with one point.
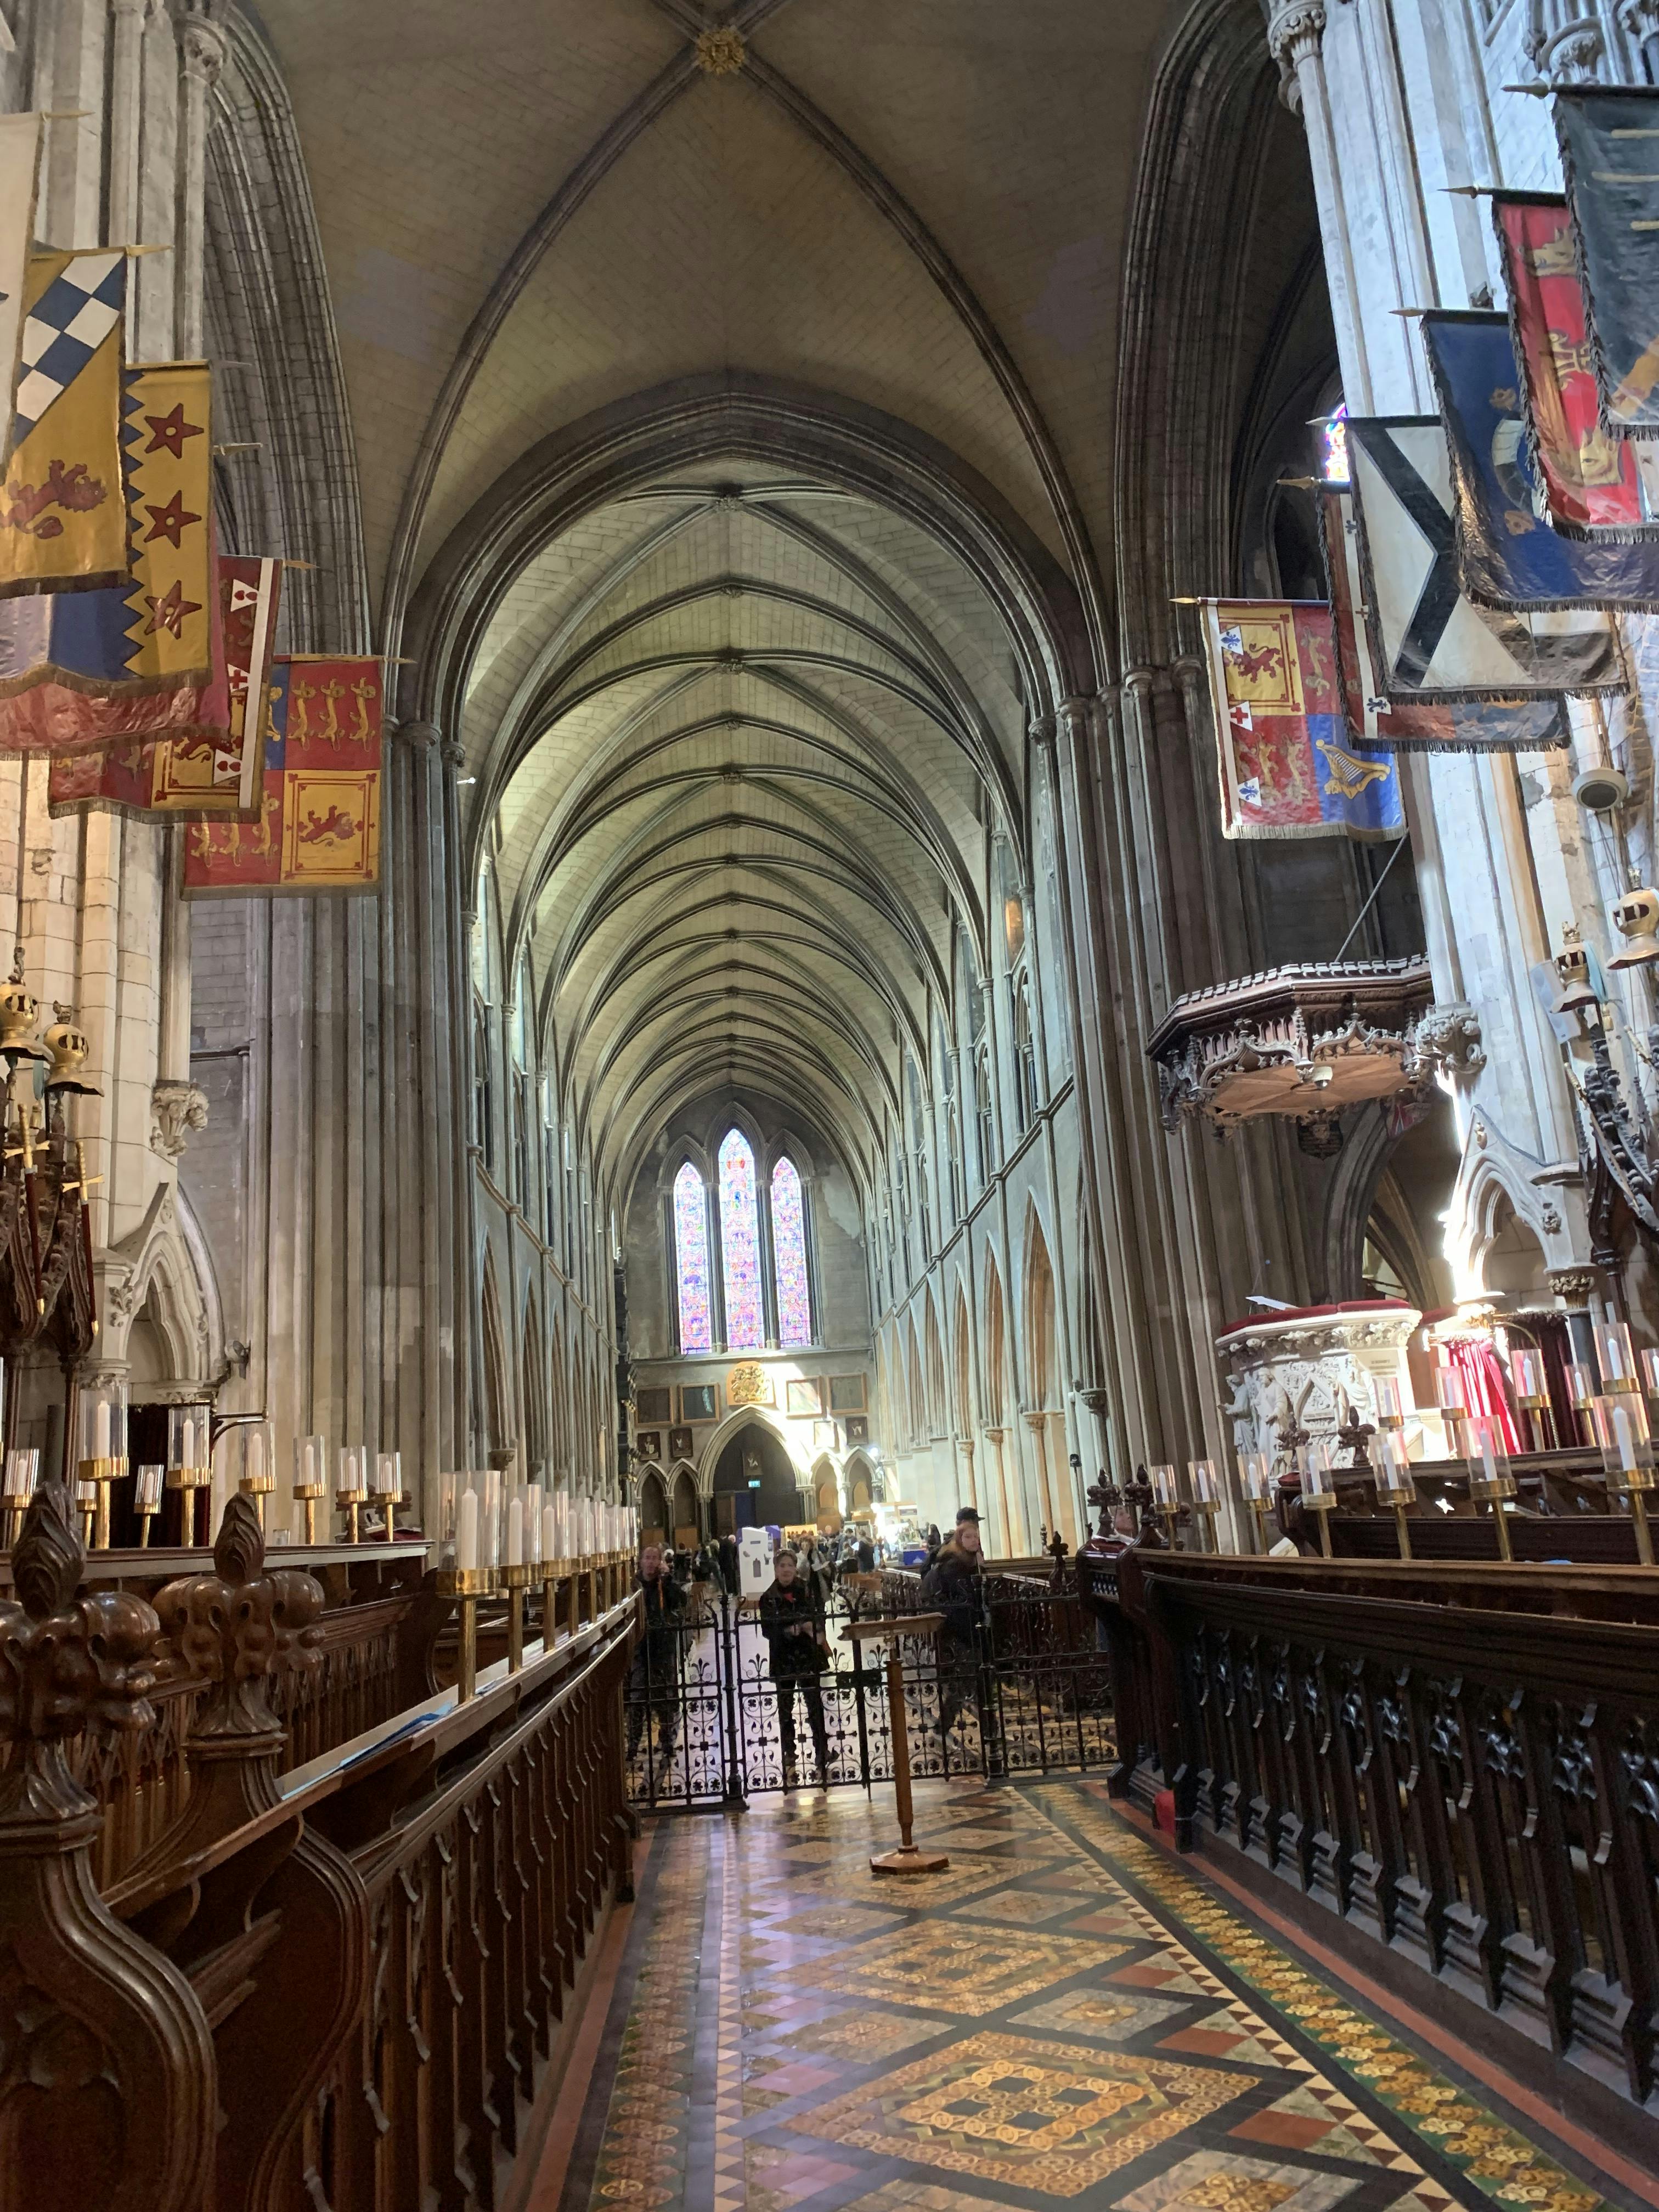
(1488, 1463)
(549, 1533)
(254, 1466)
(492, 1536)
(101, 1429)
(1612, 1358)
(1625, 1438)
(533, 1524)
(515, 1532)
(467, 1531)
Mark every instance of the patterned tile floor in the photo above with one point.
(1065, 2018)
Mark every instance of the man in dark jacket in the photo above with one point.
(955, 1586)
(654, 1679)
(792, 1621)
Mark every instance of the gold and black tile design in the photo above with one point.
(1064, 2018)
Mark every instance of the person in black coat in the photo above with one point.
(955, 1586)
(792, 1620)
(654, 1679)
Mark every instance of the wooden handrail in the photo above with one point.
(462, 1855)
(1456, 1766)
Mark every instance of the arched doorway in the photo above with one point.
(826, 1494)
(754, 1482)
(688, 1508)
(653, 1507)
(863, 1483)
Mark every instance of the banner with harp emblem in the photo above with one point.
(318, 830)
(1289, 766)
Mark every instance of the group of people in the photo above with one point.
(792, 1611)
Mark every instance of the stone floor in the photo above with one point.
(1066, 2016)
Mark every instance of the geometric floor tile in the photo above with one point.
(862, 2037)
(1103, 2016)
(1214, 2181)
(1041, 2026)
(1221, 2035)
(968, 1971)
(1038, 2116)
(1024, 1908)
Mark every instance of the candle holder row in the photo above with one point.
(605, 1572)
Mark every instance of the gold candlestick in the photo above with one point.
(259, 1487)
(516, 1580)
(188, 1480)
(100, 1472)
(467, 1584)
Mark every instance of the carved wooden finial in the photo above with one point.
(67, 1662)
(1104, 1497)
(236, 1625)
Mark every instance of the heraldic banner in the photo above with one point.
(1456, 726)
(1289, 767)
(1429, 642)
(216, 773)
(63, 518)
(319, 828)
(1508, 556)
(1609, 136)
(135, 658)
(1590, 476)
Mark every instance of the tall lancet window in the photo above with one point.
(696, 1305)
(745, 1326)
(789, 1256)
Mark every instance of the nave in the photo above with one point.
(1066, 2016)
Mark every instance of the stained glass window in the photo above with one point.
(691, 1261)
(789, 1256)
(1335, 440)
(745, 1330)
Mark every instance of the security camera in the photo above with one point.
(1322, 1076)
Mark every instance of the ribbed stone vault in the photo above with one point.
(741, 741)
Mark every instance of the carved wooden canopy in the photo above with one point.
(1307, 1040)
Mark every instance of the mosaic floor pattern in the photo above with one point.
(1065, 2018)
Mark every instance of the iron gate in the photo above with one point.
(1028, 1693)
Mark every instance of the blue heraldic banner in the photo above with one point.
(1508, 555)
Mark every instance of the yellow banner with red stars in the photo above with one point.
(166, 436)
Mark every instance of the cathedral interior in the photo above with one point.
(829, 1216)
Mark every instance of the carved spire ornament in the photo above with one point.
(106, 2063)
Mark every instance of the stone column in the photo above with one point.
(1296, 31)
(202, 50)
(1037, 1422)
(1013, 1532)
(125, 112)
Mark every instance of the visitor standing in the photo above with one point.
(654, 1677)
(792, 1621)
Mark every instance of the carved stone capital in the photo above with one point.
(176, 1110)
(1574, 1287)
(1295, 29)
(203, 50)
(421, 737)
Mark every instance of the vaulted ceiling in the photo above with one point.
(743, 722)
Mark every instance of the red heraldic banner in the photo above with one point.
(1289, 767)
(215, 771)
(319, 828)
(1590, 476)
